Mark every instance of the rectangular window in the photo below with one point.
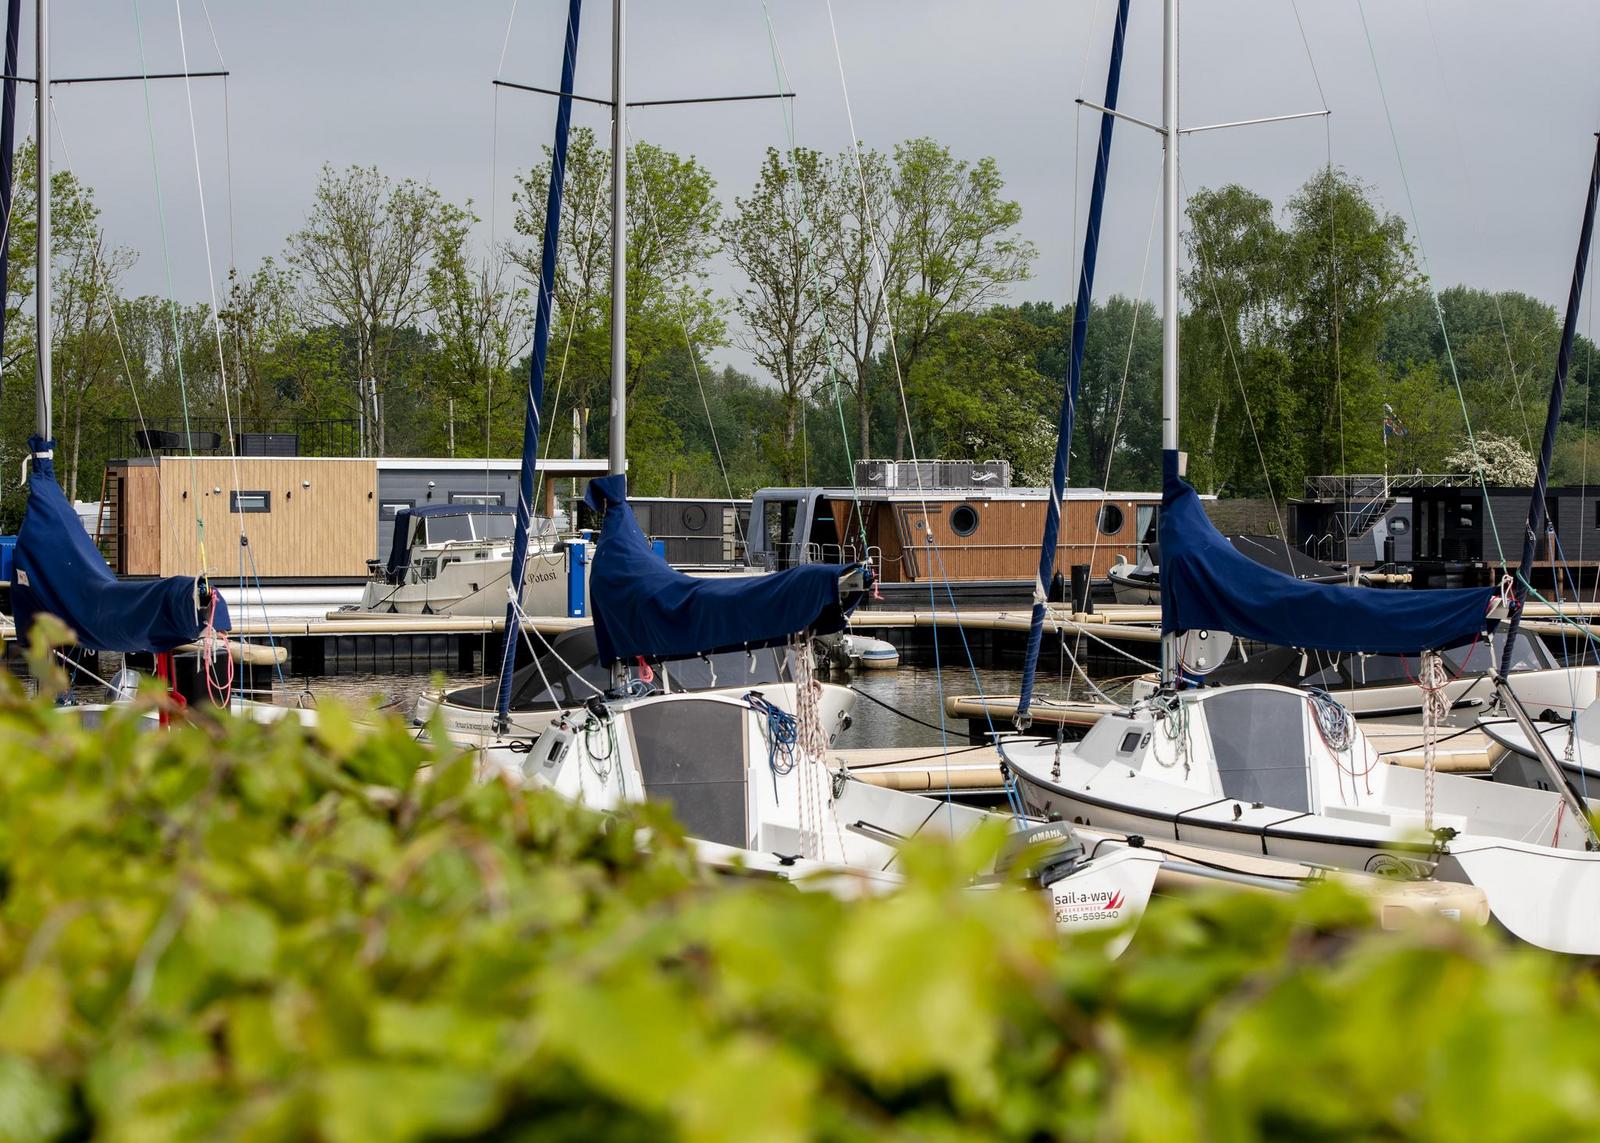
(389, 509)
(495, 498)
(249, 501)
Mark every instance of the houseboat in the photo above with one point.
(955, 522)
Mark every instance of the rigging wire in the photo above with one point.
(1208, 268)
(1333, 244)
(1517, 379)
(785, 83)
(172, 296)
(1422, 251)
(211, 286)
(60, 139)
(880, 262)
(683, 324)
(227, 129)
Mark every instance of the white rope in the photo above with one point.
(1433, 680)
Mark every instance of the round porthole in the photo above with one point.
(694, 518)
(963, 519)
(1110, 519)
(1399, 525)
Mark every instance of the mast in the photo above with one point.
(536, 364)
(41, 400)
(1552, 420)
(618, 437)
(8, 138)
(1069, 395)
(1169, 278)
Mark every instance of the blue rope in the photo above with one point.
(783, 736)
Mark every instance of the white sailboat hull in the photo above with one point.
(1163, 775)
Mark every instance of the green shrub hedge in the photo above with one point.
(236, 931)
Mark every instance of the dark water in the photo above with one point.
(902, 707)
(907, 710)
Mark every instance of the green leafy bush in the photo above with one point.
(236, 931)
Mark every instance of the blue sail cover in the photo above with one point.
(59, 571)
(1207, 584)
(643, 606)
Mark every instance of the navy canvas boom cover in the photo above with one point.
(644, 606)
(1207, 584)
(59, 571)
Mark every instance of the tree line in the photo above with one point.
(871, 290)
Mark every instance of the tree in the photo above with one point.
(960, 247)
(258, 320)
(1496, 459)
(85, 353)
(976, 390)
(782, 304)
(481, 324)
(363, 257)
(673, 218)
(866, 265)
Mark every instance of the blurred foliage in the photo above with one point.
(238, 931)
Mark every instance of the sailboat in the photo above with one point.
(1268, 770)
(182, 620)
(745, 769)
(568, 672)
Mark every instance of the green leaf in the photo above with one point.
(238, 940)
(33, 1107)
(34, 1010)
(361, 1103)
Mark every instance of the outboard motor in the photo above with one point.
(1061, 853)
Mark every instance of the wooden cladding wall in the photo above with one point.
(1003, 541)
(318, 522)
(139, 520)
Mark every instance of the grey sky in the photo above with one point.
(1494, 106)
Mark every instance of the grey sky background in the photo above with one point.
(1494, 106)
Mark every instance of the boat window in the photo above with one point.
(494, 527)
(249, 501)
(1386, 670)
(1110, 519)
(1483, 655)
(441, 529)
(963, 519)
(1145, 519)
(777, 521)
(1258, 737)
(729, 669)
(567, 674)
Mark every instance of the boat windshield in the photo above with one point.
(1258, 739)
(1483, 656)
(444, 529)
(498, 527)
(729, 669)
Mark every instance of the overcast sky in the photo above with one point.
(1494, 106)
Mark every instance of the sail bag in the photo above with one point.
(1207, 584)
(645, 607)
(59, 571)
